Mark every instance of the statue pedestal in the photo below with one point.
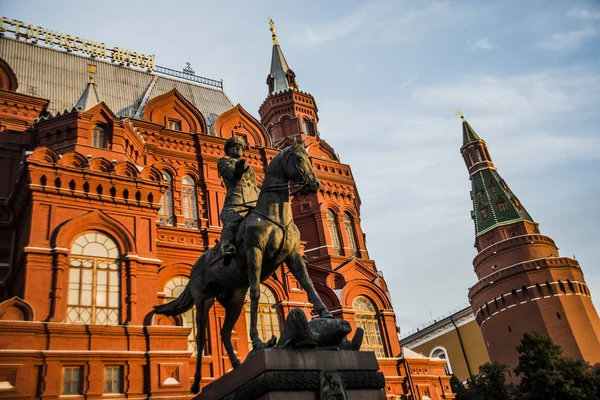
(313, 374)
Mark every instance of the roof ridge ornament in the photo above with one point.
(92, 71)
(273, 33)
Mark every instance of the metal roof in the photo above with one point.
(62, 77)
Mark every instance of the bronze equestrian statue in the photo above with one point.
(242, 193)
(265, 238)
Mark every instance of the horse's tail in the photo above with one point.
(184, 302)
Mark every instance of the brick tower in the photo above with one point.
(524, 285)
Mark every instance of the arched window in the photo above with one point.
(309, 127)
(268, 317)
(94, 282)
(190, 202)
(440, 352)
(349, 229)
(166, 213)
(98, 137)
(334, 232)
(173, 289)
(365, 317)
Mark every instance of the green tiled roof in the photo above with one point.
(492, 196)
(469, 134)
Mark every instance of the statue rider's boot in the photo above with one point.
(228, 253)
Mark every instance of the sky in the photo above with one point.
(387, 77)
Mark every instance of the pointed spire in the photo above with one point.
(90, 96)
(469, 134)
(281, 76)
(494, 204)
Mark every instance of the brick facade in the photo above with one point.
(101, 172)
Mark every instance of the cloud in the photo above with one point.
(387, 21)
(414, 186)
(583, 14)
(568, 41)
(482, 44)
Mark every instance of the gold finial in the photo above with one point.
(458, 112)
(92, 72)
(273, 34)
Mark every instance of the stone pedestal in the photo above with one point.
(287, 374)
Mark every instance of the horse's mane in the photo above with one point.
(277, 160)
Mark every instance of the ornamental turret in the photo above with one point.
(523, 285)
(287, 111)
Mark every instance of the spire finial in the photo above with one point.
(273, 34)
(92, 72)
(458, 112)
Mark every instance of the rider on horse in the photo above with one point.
(242, 193)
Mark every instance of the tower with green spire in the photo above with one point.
(524, 284)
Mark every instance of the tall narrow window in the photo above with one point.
(98, 137)
(72, 379)
(190, 202)
(173, 289)
(479, 155)
(349, 229)
(268, 317)
(309, 127)
(365, 317)
(493, 187)
(94, 280)
(166, 214)
(334, 232)
(113, 379)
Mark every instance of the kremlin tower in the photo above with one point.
(524, 284)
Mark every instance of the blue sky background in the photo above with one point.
(387, 76)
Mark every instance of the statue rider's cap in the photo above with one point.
(233, 141)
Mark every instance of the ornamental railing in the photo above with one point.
(189, 76)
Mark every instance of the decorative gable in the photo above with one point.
(175, 112)
(238, 121)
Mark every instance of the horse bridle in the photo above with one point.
(299, 186)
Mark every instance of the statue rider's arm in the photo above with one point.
(230, 171)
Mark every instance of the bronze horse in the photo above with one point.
(266, 238)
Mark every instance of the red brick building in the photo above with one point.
(523, 283)
(109, 194)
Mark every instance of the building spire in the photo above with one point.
(494, 204)
(273, 34)
(469, 134)
(281, 77)
(90, 97)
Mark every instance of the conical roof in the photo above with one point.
(494, 204)
(469, 134)
(283, 78)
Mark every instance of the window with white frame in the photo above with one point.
(190, 202)
(365, 317)
(441, 353)
(166, 214)
(334, 232)
(72, 380)
(94, 281)
(349, 229)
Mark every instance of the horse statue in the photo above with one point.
(265, 238)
